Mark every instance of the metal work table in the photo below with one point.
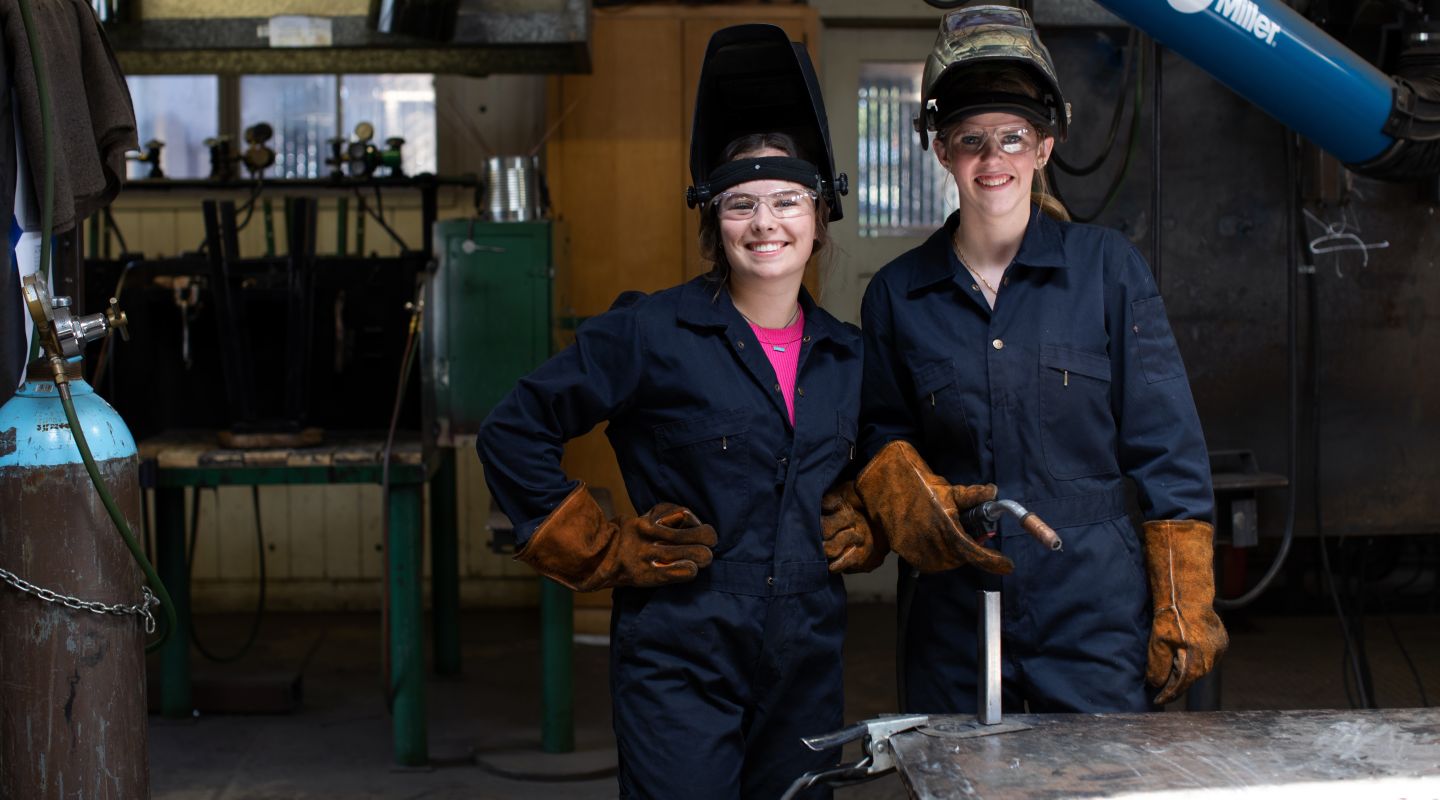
(192, 459)
(1291, 754)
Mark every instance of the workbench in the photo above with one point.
(181, 460)
(1355, 755)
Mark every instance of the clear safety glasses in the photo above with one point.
(1012, 139)
(788, 203)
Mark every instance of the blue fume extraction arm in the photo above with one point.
(1381, 126)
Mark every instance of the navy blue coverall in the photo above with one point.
(713, 682)
(1070, 385)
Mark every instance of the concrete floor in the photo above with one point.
(487, 721)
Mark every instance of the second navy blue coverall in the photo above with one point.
(714, 682)
(1070, 385)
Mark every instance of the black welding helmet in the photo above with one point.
(982, 37)
(755, 80)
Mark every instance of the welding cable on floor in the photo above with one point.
(62, 384)
(412, 341)
(190, 575)
(1295, 227)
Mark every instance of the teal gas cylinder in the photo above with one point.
(72, 679)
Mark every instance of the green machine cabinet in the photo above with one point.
(488, 324)
(487, 319)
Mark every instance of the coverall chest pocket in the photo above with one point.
(704, 459)
(942, 415)
(1077, 428)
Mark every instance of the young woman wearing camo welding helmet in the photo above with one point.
(1016, 350)
(732, 403)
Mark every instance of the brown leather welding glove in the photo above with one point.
(577, 547)
(919, 512)
(851, 542)
(1186, 637)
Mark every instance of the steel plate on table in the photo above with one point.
(1273, 754)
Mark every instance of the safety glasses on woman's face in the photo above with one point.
(1012, 139)
(787, 203)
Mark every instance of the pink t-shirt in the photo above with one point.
(782, 347)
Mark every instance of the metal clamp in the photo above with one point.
(141, 608)
(879, 757)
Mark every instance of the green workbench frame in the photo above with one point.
(407, 482)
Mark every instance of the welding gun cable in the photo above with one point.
(412, 340)
(116, 515)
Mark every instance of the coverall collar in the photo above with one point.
(1043, 246)
(700, 307)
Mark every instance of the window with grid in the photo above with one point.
(903, 190)
(306, 111)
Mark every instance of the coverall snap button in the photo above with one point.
(998, 344)
(974, 288)
(806, 339)
(740, 345)
(777, 387)
(769, 580)
(1135, 328)
(799, 391)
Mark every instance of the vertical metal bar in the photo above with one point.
(269, 213)
(173, 571)
(342, 218)
(557, 633)
(92, 236)
(360, 226)
(300, 269)
(236, 357)
(406, 627)
(429, 210)
(445, 565)
(987, 684)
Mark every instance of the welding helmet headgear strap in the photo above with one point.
(733, 173)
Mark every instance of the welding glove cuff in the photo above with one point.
(918, 512)
(851, 543)
(1187, 637)
(578, 547)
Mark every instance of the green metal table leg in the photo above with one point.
(445, 565)
(173, 570)
(407, 660)
(557, 641)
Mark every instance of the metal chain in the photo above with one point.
(141, 608)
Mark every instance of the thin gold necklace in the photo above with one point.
(791, 321)
(965, 261)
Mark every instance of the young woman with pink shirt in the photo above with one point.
(732, 402)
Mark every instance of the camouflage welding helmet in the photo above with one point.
(982, 37)
(755, 80)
